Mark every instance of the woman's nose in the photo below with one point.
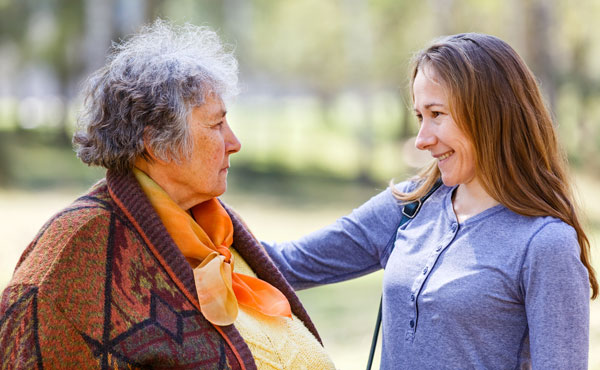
(232, 142)
(424, 138)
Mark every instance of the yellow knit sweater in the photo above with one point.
(278, 342)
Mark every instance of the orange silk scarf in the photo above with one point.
(204, 240)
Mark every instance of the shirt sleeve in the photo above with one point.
(352, 246)
(557, 294)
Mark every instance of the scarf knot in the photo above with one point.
(224, 251)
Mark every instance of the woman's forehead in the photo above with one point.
(212, 108)
(428, 70)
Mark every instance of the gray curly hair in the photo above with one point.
(147, 88)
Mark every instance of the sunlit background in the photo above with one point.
(324, 115)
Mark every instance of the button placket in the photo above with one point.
(421, 278)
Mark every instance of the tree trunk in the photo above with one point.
(359, 56)
(99, 28)
(238, 18)
(539, 22)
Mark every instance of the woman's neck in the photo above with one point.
(471, 199)
(178, 192)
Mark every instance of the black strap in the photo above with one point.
(409, 211)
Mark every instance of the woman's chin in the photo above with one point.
(448, 181)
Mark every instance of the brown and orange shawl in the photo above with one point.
(103, 285)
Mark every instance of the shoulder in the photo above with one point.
(552, 270)
(386, 198)
(552, 236)
(89, 213)
(387, 204)
(405, 186)
(532, 231)
(549, 244)
(77, 229)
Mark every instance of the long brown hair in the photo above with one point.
(496, 102)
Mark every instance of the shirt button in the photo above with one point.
(412, 323)
(438, 248)
(412, 297)
(425, 270)
(454, 227)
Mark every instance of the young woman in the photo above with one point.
(494, 271)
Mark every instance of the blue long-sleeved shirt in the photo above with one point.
(498, 291)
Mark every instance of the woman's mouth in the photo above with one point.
(445, 155)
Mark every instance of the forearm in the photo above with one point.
(352, 246)
(323, 257)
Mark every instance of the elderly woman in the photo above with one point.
(149, 268)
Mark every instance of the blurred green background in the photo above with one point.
(324, 115)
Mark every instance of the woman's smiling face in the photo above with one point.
(438, 131)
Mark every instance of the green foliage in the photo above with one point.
(294, 52)
(32, 160)
(325, 84)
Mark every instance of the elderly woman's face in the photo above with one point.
(203, 174)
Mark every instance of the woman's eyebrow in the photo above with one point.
(429, 105)
(218, 114)
(434, 104)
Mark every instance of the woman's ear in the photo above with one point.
(147, 162)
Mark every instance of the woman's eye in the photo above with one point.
(434, 114)
(419, 117)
